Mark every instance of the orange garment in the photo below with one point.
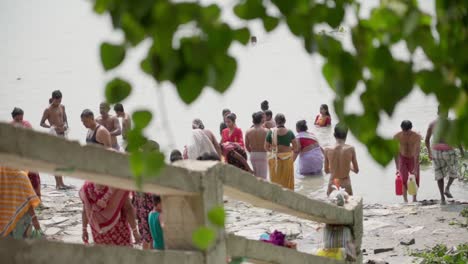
(17, 196)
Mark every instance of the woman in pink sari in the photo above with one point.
(110, 215)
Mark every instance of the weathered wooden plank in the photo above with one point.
(48, 252)
(27, 149)
(258, 250)
(242, 186)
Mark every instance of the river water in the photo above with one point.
(52, 44)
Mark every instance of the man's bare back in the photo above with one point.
(57, 118)
(255, 139)
(111, 123)
(340, 160)
(410, 143)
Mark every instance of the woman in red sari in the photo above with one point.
(232, 133)
(110, 215)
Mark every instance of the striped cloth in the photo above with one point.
(16, 197)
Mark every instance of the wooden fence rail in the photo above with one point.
(189, 189)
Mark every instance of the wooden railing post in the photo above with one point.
(182, 215)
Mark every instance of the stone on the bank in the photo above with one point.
(382, 250)
(376, 261)
(408, 242)
(52, 231)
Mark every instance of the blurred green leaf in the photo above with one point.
(250, 9)
(135, 140)
(141, 119)
(242, 35)
(100, 6)
(285, 7)
(270, 23)
(211, 13)
(226, 67)
(203, 237)
(134, 32)
(111, 55)
(190, 87)
(137, 167)
(217, 216)
(117, 90)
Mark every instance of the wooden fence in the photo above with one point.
(189, 190)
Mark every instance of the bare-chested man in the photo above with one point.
(97, 133)
(56, 116)
(340, 159)
(407, 160)
(111, 123)
(255, 144)
(443, 156)
(126, 120)
(269, 122)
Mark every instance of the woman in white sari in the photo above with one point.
(202, 141)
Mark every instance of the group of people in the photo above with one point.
(272, 147)
(442, 154)
(120, 217)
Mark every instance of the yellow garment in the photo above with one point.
(334, 253)
(16, 197)
(282, 169)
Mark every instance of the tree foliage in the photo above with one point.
(201, 58)
(190, 49)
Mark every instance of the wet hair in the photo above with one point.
(280, 119)
(50, 100)
(209, 156)
(257, 118)
(156, 199)
(264, 105)
(269, 113)
(301, 126)
(197, 123)
(341, 131)
(406, 125)
(118, 108)
(16, 112)
(175, 155)
(226, 111)
(87, 113)
(56, 94)
(232, 117)
(324, 106)
(104, 105)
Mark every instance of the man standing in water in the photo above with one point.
(254, 143)
(223, 125)
(443, 157)
(407, 160)
(126, 121)
(269, 122)
(56, 116)
(97, 134)
(340, 159)
(111, 123)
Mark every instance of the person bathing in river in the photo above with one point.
(443, 157)
(232, 133)
(18, 121)
(203, 140)
(111, 123)
(223, 125)
(340, 159)
(126, 120)
(269, 122)
(323, 119)
(281, 144)
(254, 143)
(56, 116)
(407, 160)
(311, 154)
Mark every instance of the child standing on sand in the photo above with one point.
(156, 224)
(323, 119)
